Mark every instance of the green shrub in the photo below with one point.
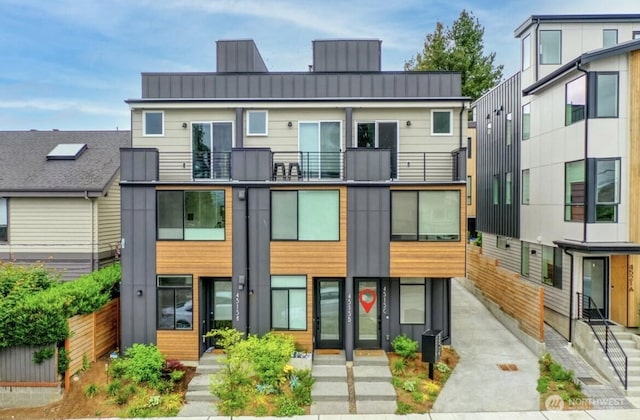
(113, 388)
(409, 386)
(63, 360)
(399, 366)
(405, 347)
(404, 408)
(43, 354)
(142, 363)
(287, 407)
(543, 384)
(176, 375)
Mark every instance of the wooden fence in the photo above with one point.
(520, 299)
(92, 336)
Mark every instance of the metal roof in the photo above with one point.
(591, 18)
(26, 171)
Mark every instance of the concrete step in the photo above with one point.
(329, 373)
(633, 361)
(329, 407)
(198, 409)
(329, 359)
(211, 358)
(376, 407)
(378, 360)
(330, 391)
(200, 383)
(208, 369)
(370, 373)
(627, 344)
(374, 391)
(200, 396)
(633, 391)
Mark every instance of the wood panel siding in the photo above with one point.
(431, 259)
(108, 223)
(181, 345)
(634, 180)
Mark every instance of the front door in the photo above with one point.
(594, 285)
(368, 314)
(319, 146)
(328, 313)
(216, 307)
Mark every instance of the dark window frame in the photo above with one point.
(288, 289)
(596, 87)
(297, 238)
(525, 251)
(571, 205)
(555, 279)
(165, 288)
(419, 237)
(411, 286)
(4, 228)
(184, 192)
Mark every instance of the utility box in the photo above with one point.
(431, 346)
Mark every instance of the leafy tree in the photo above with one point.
(459, 48)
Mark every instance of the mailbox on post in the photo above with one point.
(431, 348)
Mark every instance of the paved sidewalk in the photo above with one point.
(478, 384)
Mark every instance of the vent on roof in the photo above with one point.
(67, 151)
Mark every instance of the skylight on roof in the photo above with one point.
(69, 151)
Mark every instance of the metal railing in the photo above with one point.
(307, 166)
(589, 312)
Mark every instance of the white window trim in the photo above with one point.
(266, 123)
(450, 133)
(144, 123)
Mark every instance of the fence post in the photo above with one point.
(67, 374)
(541, 313)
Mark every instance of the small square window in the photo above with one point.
(609, 37)
(153, 123)
(257, 123)
(442, 122)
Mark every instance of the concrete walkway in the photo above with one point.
(483, 343)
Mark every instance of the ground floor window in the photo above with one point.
(175, 302)
(552, 266)
(524, 258)
(289, 302)
(412, 300)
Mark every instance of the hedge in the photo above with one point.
(35, 305)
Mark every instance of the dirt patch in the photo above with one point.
(75, 404)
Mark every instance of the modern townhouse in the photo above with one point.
(326, 204)
(558, 166)
(60, 198)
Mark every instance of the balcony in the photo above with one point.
(435, 167)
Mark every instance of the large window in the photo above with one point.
(524, 258)
(606, 95)
(509, 129)
(412, 300)
(495, 187)
(441, 123)
(153, 123)
(4, 220)
(575, 100)
(526, 52)
(191, 215)
(425, 215)
(507, 187)
(607, 196)
(305, 215)
(175, 302)
(257, 123)
(526, 121)
(289, 302)
(574, 191)
(552, 266)
(525, 186)
(609, 37)
(550, 47)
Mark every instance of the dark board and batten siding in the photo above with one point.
(346, 55)
(494, 157)
(16, 365)
(300, 85)
(238, 56)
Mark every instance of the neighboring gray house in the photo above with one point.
(60, 198)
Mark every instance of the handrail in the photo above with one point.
(588, 311)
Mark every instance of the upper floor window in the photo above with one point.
(441, 123)
(507, 187)
(526, 52)
(489, 128)
(469, 148)
(191, 215)
(575, 100)
(153, 123)
(305, 215)
(636, 35)
(289, 302)
(175, 302)
(4, 220)
(495, 187)
(412, 300)
(525, 186)
(425, 215)
(609, 37)
(606, 94)
(550, 47)
(508, 132)
(526, 121)
(257, 123)
(574, 191)
(607, 195)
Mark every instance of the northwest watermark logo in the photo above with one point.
(554, 403)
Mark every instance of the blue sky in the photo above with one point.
(70, 64)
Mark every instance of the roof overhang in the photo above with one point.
(575, 18)
(624, 248)
(51, 193)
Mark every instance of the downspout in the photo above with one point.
(570, 296)
(91, 242)
(586, 151)
(248, 265)
(537, 48)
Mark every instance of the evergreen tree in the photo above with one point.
(459, 48)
